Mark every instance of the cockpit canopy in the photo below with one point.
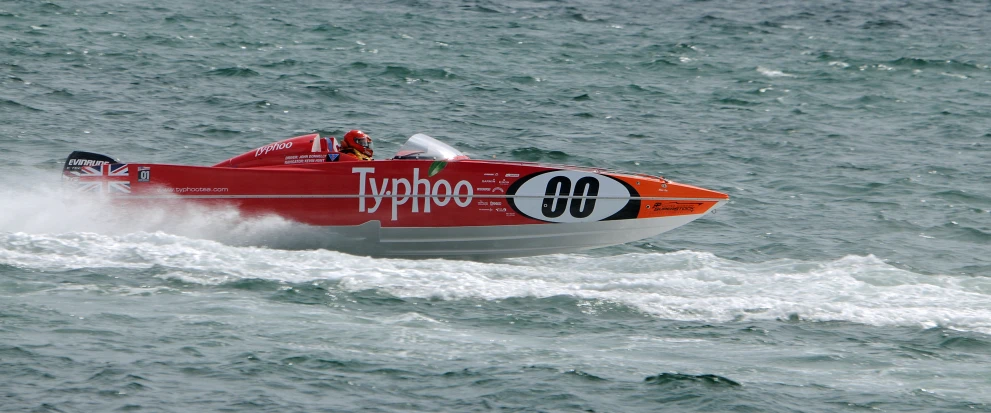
(421, 146)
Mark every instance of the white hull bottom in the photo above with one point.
(478, 242)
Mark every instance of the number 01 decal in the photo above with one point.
(144, 174)
(573, 196)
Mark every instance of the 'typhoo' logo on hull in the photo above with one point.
(573, 196)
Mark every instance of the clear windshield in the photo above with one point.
(421, 146)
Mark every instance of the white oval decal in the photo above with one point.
(570, 196)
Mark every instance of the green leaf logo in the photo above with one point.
(436, 167)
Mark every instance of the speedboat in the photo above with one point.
(429, 200)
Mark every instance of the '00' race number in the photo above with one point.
(582, 200)
(571, 196)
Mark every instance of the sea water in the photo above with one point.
(849, 272)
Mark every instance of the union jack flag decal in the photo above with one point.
(106, 178)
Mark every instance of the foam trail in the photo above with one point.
(45, 208)
(686, 285)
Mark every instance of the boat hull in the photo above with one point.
(520, 240)
(409, 207)
(478, 242)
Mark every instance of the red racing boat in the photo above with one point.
(430, 200)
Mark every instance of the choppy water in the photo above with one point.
(850, 272)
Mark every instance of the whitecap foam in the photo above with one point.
(772, 72)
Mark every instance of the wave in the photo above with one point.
(944, 64)
(531, 154)
(883, 24)
(14, 105)
(282, 63)
(234, 72)
(329, 28)
(677, 379)
(403, 72)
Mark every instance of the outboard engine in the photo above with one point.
(78, 160)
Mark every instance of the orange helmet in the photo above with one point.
(359, 141)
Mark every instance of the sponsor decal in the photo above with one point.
(264, 150)
(192, 190)
(676, 207)
(436, 167)
(401, 191)
(333, 157)
(86, 162)
(573, 196)
(512, 175)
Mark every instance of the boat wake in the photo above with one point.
(46, 209)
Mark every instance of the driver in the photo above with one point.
(357, 144)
